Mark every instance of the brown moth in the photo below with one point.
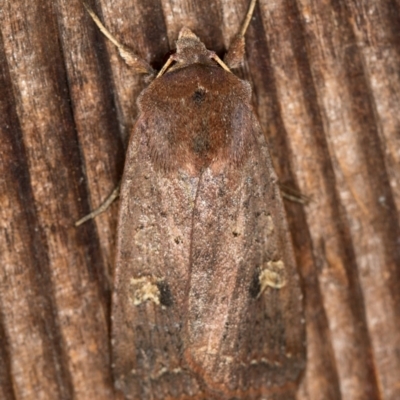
(207, 302)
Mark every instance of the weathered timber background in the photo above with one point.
(326, 79)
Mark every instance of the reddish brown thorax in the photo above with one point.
(194, 113)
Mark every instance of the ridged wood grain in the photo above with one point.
(326, 83)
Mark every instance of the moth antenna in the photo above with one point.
(221, 63)
(247, 19)
(139, 65)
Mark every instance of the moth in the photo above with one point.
(206, 300)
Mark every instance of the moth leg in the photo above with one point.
(235, 55)
(102, 208)
(138, 64)
(293, 195)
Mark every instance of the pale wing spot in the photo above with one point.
(164, 371)
(270, 225)
(274, 275)
(260, 361)
(143, 289)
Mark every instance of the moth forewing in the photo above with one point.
(207, 301)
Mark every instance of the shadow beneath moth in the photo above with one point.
(207, 302)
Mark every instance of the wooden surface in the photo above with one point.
(326, 79)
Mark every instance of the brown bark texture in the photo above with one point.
(326, 82)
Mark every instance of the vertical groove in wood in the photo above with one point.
(376, 31)
(49, 288)
(96, 128)
(6, 389)
(360, 362)
(30, 323)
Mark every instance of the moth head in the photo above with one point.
(190, 50)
